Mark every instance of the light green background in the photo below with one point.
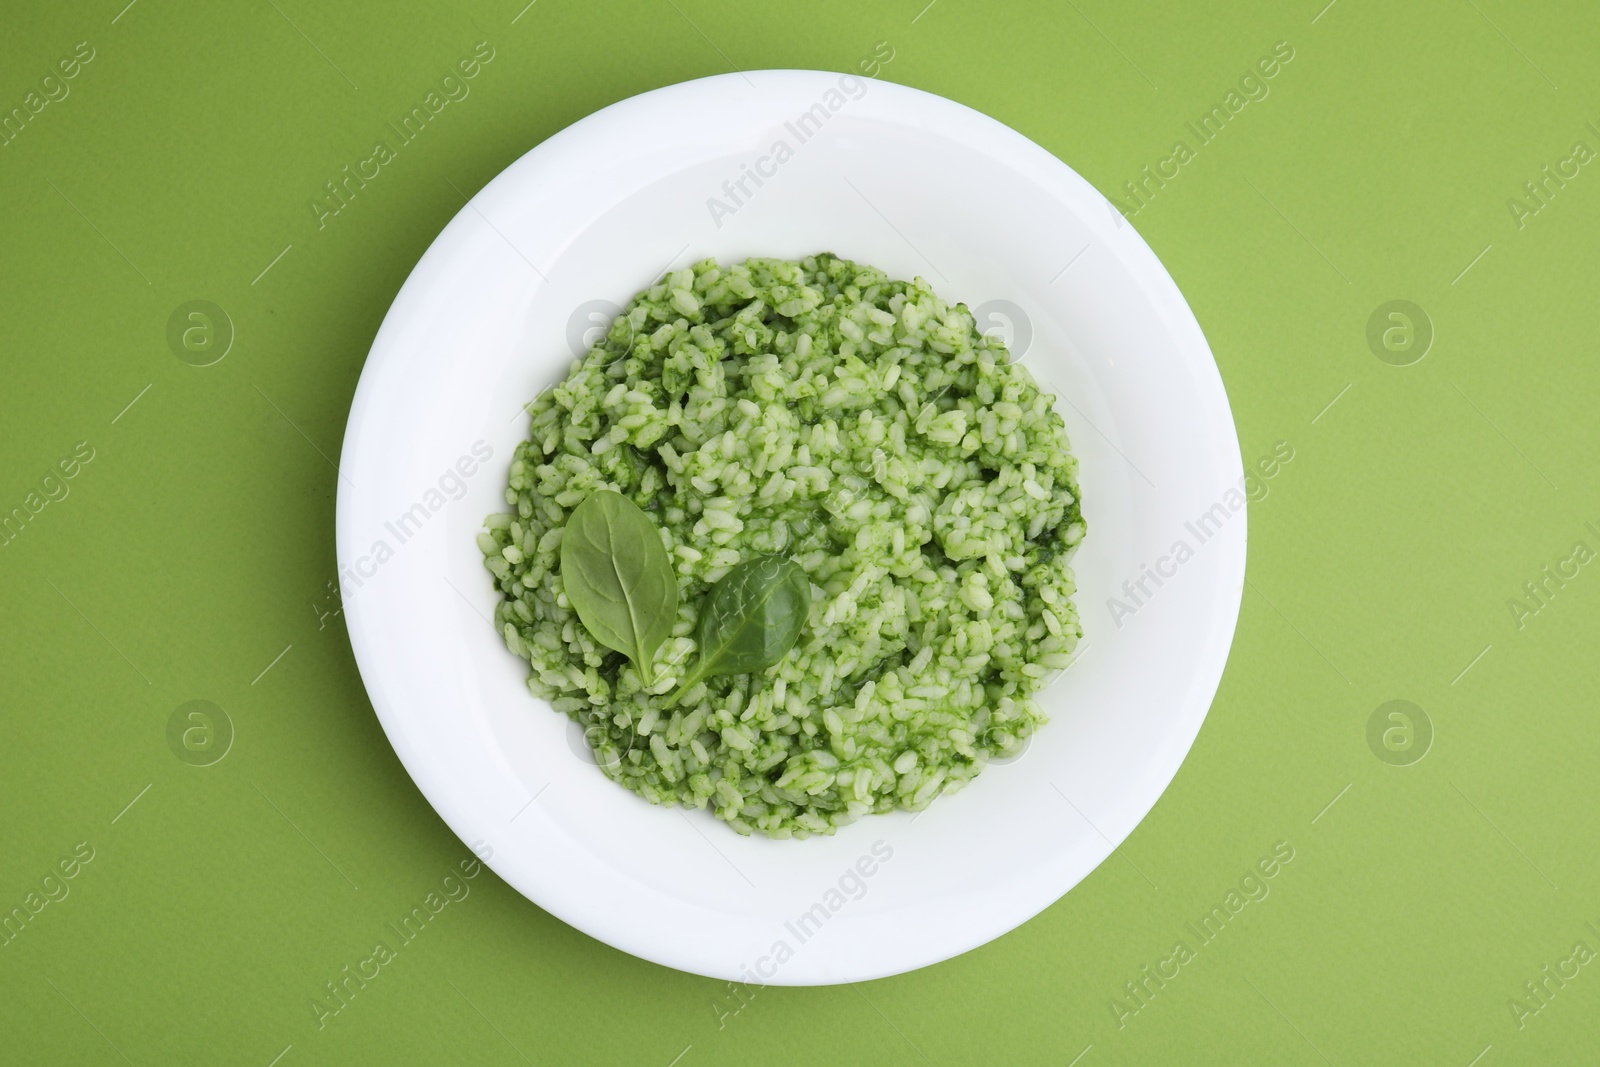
(198, 543)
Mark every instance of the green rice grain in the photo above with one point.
(862, 427)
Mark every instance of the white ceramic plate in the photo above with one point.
(914, 184)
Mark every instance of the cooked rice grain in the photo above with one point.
(862, 427)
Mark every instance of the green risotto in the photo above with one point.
(782, 424)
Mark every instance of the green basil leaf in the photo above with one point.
(750, 619)
(618, 577)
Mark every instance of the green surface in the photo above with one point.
(190, 558)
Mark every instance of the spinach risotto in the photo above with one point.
(791, 540)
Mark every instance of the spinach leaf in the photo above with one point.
(618, 577)
(750, 619)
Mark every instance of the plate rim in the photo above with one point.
(1155, 281)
